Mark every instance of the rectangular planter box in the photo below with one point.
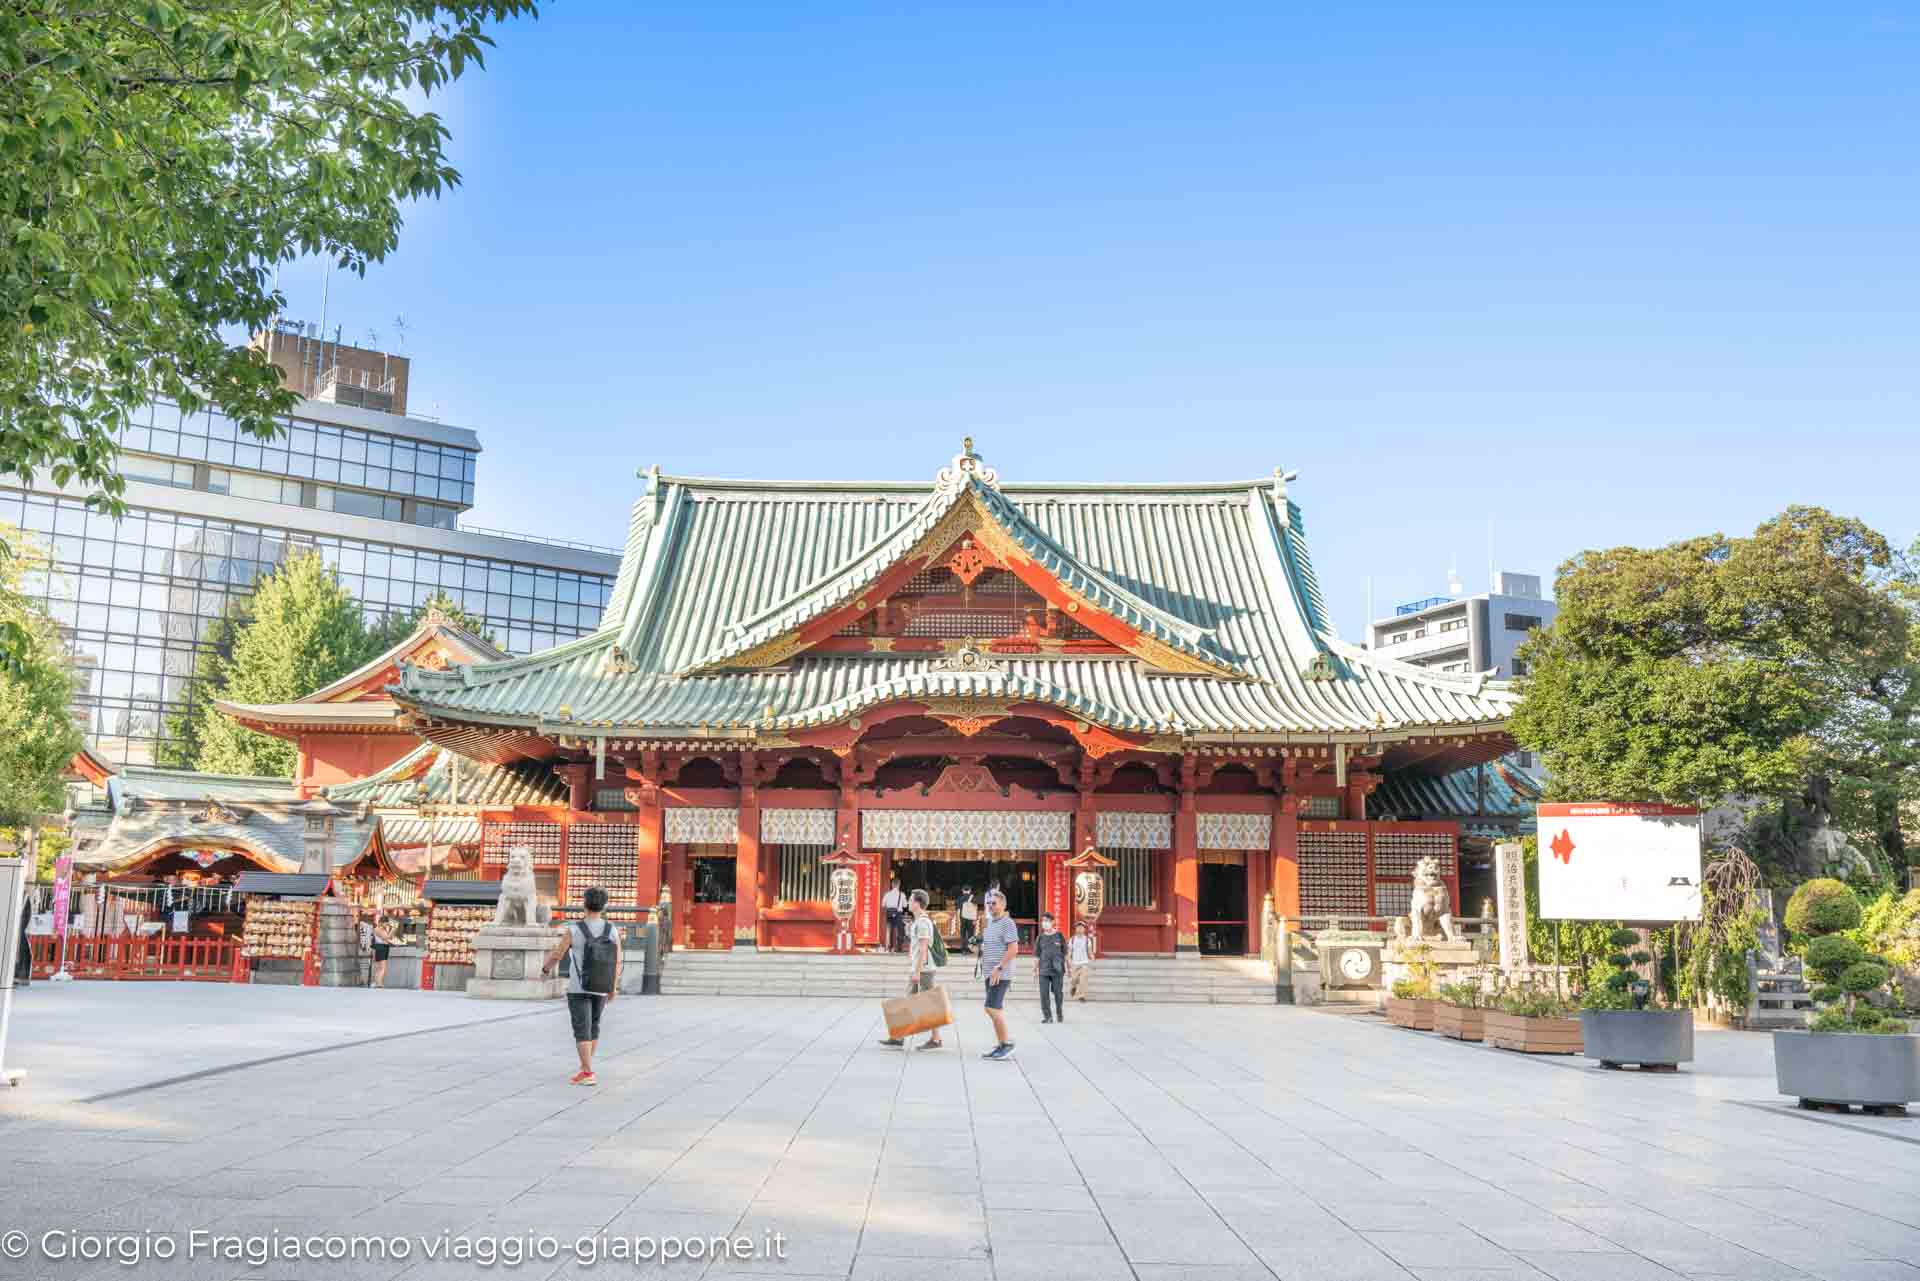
(1417, 1015)
(1651, 1038)
(1531, 1036)
(1848, 1067)
(1458, 1021)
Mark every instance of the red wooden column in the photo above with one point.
(1186, 865)
(649, 832)
(1284, 845)
(579, 786)
(747, 872)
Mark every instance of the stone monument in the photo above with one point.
(509, 952)
(1510, 880)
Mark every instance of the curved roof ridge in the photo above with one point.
(1477, 684)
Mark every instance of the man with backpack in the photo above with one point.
(592, 946)
(926, 952)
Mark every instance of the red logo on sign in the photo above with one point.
(1562, 846)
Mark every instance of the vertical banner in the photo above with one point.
(62, 886)
(1057, 890)
(866, 904)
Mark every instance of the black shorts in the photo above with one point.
(380, 951)
(997, 993)
(584, 1009)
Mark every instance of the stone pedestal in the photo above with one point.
(507, 961)
(342, 962)
(1451, 961)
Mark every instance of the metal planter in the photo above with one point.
(1848, 1067)
(1660, 1039)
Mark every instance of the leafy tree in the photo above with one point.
(38, 735)
(1776, 665)
(304, 632)
(158, 160)
(391, 629)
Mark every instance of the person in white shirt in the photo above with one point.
(1079, 961)
(894, 904)
(920, 968)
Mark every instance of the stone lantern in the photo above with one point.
(843, 892)
(1090, 885)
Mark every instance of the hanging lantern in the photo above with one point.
(1090, 883)
(843, 892)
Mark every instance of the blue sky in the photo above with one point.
(1605, 274)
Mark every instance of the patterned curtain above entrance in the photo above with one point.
(1125, 830)
(797, 827)
(1235, 831)
(715, 826)
(964, 829)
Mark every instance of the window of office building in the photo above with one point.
(308, 451)
(137, 598)
(1522, 622)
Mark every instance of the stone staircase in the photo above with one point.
(1781, 998)
(1206, 980)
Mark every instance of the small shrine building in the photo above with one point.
(963, 683)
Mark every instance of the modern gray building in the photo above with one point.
(1466, 633)
(379, 495)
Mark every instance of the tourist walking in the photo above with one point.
(969, 918)
(592, 947)
(1079, 961)
(1050, 968)
(894, 904)
(920, 962)
(999, 945)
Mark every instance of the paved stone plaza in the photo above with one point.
(1163, 1143)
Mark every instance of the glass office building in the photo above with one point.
(378, 495)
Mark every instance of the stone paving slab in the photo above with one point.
(1161, 1144)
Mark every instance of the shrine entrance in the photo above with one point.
(1223, 903)
(944, 874)
(709, 891)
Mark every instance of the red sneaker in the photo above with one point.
(580, 1078)
(589, 1079)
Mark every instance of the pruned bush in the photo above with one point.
(1822, 906)
(1846, 971)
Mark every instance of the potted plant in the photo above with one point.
(1532, 1021)
(1618, 1024)
(1459, 1010)
(1852, 1052)
(1410, 999)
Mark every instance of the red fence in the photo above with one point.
(211, 960)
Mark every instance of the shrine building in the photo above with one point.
(963, 683)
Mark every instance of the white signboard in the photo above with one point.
(1603, 862)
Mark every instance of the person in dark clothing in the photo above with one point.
(23, 963)
(1050, 968)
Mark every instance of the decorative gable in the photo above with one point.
(967, 566)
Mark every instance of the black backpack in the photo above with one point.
(599, 958)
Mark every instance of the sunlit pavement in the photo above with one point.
(1192, 1142)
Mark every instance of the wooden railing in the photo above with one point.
(209, 960)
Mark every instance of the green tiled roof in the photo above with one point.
(481, 786)
(1218, 572)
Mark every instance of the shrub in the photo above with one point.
(1822, 906)
(1412, 989)
(1620, 989)
(1467, 995)
(1846, 971)
(1533, 1003)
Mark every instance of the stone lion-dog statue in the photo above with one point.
(1429, 913)
(519, 896)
